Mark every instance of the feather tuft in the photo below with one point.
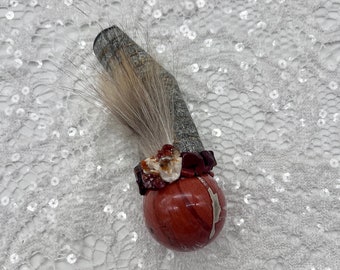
(142, 103)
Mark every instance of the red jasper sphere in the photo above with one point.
(187, 214)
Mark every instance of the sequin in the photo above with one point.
(15, 157)
(53, 203)
(140, 263)
(244, 65)
(5, 200)
(79, 199)
(261, 25)
(25, 90)
(34, 116)
(72, 131)
(239, 47)
(33, 3)
(83, 68)
(247, 198)
(333, 85)
(71, 258)
(302, 122)
(244, 15)
(9, 50)
(189, 5)
(286, 177)
(68, 2)
(312, 39)
(337, 186)
(42, 126)
(170, 255)
(9, 15)
(121, 216)
(239, 222)
(237, 160)
(326, 191)
(275, 107)
(322, 113)
(108, 209)
(32, 186)
(126, 187)
(39, 63)
(208, 42)
(279, 188)
(56, 134)
(200, 3)
(160, 48)
(334, 163)
(17, 54)
(32, 206)
(13, 3)
(274, 200)
(192, 35)
(134, 236)
(216, 132)
(184, 29)
(321, 122)
(14, 258)
(302, 75)
(18, 62)
(8, 111)
(282, 63)
(219, 90)
(157, 14)
(54, 181)
(259, 53)
(15, 98)
(195, 67)
(274, 94)
(82, 44)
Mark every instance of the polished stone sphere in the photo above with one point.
(187, 214)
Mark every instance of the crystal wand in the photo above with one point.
(184, 209)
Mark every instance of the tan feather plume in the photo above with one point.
(140, 102)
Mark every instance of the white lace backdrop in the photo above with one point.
(261, 79)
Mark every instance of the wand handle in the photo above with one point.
(105, 47)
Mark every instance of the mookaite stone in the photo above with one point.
(187, 214)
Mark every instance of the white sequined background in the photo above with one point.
(261, 79)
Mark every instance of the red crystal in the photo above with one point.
(166, 151)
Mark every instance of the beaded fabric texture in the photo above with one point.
(261, 79)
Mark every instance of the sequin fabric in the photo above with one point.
(261, 80)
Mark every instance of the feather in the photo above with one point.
(143, 95)
(140, 101)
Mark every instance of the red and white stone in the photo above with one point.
(187, 214)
